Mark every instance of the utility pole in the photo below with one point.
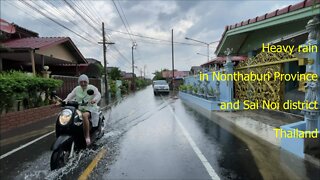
(172, 61)
(140, 72)
(105, 63)
(144, 72)
(133, 79)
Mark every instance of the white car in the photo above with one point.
(160, 86)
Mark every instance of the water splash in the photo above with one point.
(40, 168)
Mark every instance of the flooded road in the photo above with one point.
(157, 137)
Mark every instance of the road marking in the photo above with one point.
(25, 145)
(27, 135)
(195, 148)
(92, 165)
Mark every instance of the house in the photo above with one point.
(127, 76)
(177, 74)
(295, 26)
(195, 70)
(23, 49)
(178, 77)
(218, 62)
(248, 40)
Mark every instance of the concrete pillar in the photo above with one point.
(312, 117)
(229, 70)
(33, 62)
(251, 54)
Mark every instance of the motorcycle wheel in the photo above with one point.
(59, 158)
(101, 129)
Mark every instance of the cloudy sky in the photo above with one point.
(150, 22)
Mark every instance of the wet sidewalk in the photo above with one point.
(257, 124)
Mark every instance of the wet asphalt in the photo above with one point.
(144, 138)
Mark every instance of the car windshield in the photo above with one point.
(160, 82)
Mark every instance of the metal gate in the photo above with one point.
(263, 63)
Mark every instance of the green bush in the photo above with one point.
(183, 87)
(113, 88)
(124, 87)
(16, 85)
(189, 88)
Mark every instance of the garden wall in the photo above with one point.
(13, 120)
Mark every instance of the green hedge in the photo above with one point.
(141, 83)
(16, 85)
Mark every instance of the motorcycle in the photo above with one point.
(69, 132)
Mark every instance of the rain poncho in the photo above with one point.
(80, 95)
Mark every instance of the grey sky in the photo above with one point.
(203, 20)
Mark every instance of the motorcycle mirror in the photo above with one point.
(53, 93)
(90, 92)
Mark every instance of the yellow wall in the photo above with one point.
(60, 52)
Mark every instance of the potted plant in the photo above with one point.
(189, 89)
(195, 90)
(206, 89)
(183, 88)
(201, 92)
(211, 94)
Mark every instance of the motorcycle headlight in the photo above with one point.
(65, 116)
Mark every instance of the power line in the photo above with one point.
(60, 24)
(148, 37)
(121, 54)
(126, 20)
(111, 54)
(130, 31)
(82, 17)
(92, 9)
(109, 39)
(123, 21)
(64, 14)
(24, 10)
(86, 8)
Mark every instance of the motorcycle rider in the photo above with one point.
(90, 110)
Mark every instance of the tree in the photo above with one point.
(94, 70)
(158, 76)
(115, 74)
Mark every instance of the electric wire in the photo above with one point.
(50, 18)
(123, 21)
(126, 20)
(65, 15)
(82, 17)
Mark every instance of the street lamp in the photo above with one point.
(202, 54)
(208, 44)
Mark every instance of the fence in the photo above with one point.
(220, 86)
(70, 82)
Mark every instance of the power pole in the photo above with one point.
(140, 72)
(172, 61)
(133, 79)
(144, 72)
(105, 63)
